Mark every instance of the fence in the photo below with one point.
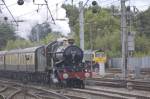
(133, 63)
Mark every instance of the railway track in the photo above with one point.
(135, 94)
(97, 92)
(143, 71)
(131, 84)
(32, 92)
(14, 90)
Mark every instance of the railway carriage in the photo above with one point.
(29, 59)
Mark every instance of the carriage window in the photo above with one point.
(0, 57)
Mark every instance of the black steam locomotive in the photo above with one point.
(59, 62)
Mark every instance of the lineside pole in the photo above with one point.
(124, 38)
(81, 23)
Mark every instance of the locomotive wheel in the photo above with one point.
(82, 84)
(60, 85)
(78, 84)
(72, 84)
(69, 83)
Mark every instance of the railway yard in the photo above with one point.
(99, 49)
(96, 88)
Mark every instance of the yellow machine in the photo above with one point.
(96, 56)
(99, 56)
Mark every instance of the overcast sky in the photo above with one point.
(33, 14)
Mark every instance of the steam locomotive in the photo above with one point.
(59, 62)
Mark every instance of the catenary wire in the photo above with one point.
(10, 12)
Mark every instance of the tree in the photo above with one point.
(7, 32)
(39, 31)
(142, 41)
(143, 23)
(18, 44)
(104, 27)
(72, 13)
(50, 37)
(22, 43)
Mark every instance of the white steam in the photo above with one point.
(32, 14)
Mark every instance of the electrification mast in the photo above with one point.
(124, 38)
(81, 23)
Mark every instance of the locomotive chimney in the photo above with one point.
(71, 41)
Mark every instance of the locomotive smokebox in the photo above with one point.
(73, 55)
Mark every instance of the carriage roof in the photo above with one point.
(2, 52)
(30, 49)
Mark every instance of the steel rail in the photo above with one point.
(135, 84)
(123, 93)
(31, 87)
